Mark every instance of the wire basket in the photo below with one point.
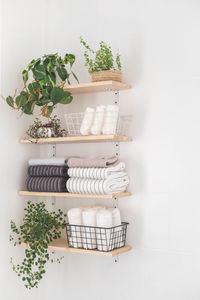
(96, 238)
(77, 125)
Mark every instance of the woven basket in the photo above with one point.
(114, 75)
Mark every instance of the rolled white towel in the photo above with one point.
(75, 218)
(118, 231)
(87, 121)
(98, 120)
(89, 233)
(52, 161)
(104, 234)
(110, 119)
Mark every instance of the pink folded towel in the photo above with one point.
(81, 162)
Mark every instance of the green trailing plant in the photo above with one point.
(102, 59)
(39, 228)
(43, 90)
(39, 129)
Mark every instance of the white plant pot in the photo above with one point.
(44, 132)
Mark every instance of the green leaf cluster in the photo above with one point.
(102, 59)
(44, 91)
(39, 228)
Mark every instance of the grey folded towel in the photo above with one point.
(51, 161)
(48, 171)
(81, 162)
(47, 184)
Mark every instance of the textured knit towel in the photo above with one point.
(46, 184)
(81, 162)
(95, 173)
(52, 161)
(116, 183)
(49, 171)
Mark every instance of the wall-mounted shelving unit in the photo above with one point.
(78, 139)
(73, 195)
(61, 245)
(94, 87)
(91, 87)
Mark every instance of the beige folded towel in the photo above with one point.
(82, 162)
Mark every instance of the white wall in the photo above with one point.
(159, 43)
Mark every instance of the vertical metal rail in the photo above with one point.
(53, 199)
(117, 153)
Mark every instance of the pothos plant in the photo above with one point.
(102, 59)
(43, 90)
(39, 228)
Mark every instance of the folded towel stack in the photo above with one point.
(95, 228)
(47, 175)
(96, 175)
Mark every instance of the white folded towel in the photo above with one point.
(103, 234)
(87, 121)
(75, 218)
(89, 233)
(110, 119)
(116, 183)
(98, 120)
(95, 173)
(52, 161)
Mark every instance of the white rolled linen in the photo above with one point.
(110, 119)
(117, 231)
(103, 234)
(89, 233)
(98, 120)
(75, 218)
(87, 121)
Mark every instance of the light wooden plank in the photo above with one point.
(62, 245)
(72, 195)
(78, 139)
(93, 87)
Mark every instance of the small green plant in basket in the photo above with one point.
(39, 228)
(103, 62)
(44, 90)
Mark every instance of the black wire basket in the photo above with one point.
(96, 238)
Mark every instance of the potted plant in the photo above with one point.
(39, 228)
(43, 90)
(102, 66)
(52, 128)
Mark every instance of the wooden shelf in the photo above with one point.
(72, 195)
(62, 245)
(93, 87)
(78, 139)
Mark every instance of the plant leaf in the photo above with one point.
(25, 76)
(28, 108)
(67, 98)
(56, 95)
(39, 72)
(75, 76)
(69, 58)
(62, 72)
(10, 101)
(50, 109)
